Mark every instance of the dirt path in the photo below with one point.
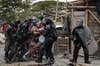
(60, 61)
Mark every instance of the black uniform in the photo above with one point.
(22, 36)
(50, 36)
(10, 34)
(78, 43)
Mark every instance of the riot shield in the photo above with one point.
(88, 39)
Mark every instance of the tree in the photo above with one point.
(39, 7)
(9, 9)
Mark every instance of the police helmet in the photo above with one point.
(15, 23)
(46, 21)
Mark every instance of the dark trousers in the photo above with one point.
(78, 45)
(8, 53)
(46, 49)
(23, 49)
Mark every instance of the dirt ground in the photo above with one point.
(60, 61)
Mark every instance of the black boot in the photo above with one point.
(51, 61)
(38, 61)
(73, 61)
(87, 62)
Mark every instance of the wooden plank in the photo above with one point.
(94, 16)
(82, 7)
(86, 17)
(76, 2)
(40, 64)
(72, 26)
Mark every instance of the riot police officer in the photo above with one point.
(78, 43)
(10, 34)
(50, 37)
(23, 34)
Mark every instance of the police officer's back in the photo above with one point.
(78, 43)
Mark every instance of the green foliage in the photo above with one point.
(9, 9)
(43, 4)
(19, 9)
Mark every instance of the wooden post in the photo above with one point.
(56, 11)
(62, 19)
(72, 20)
(94, 16)
(72, 23)
(86, 15)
